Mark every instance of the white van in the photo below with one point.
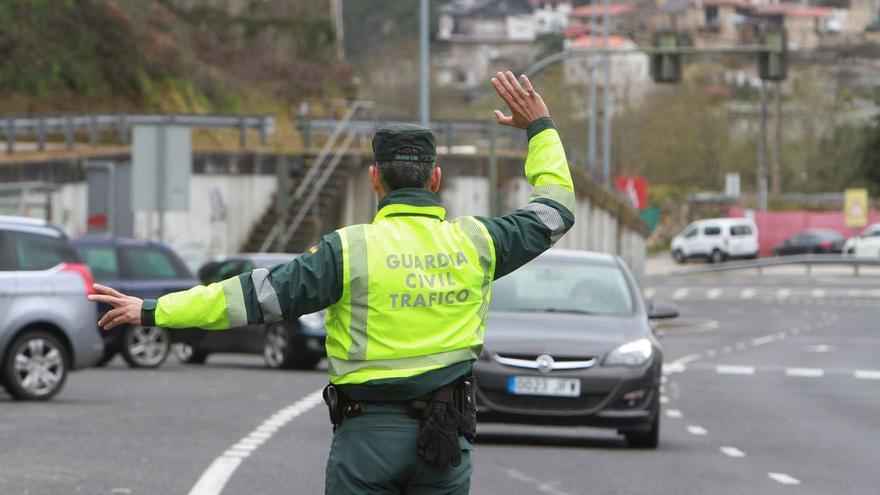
(717, 239)
(866, 244)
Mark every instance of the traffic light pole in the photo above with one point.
(762, 150)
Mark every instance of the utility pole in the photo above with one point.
(336, 12)
(606, 110)
(776, 150)
(424, 73)
(762, 150)
(591, 117)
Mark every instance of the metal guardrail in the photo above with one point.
(448, 129)
(69, 125)
(808, 260)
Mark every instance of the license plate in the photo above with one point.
(537, 385)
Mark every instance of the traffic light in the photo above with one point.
(773, 63)
(665, 61)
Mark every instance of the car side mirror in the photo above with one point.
(661, 310)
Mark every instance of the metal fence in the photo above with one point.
(41, 127)
(808, 260)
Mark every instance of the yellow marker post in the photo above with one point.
(855, 207)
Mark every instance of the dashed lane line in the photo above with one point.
(747, 293)
(726, 369)
(783, 293)
(732, 452)
(680, 293)
(764, 340)
(818, 293)
(674, 414)
(783, 478)
(697, 430)
(713, 293)
(867, 374)
(650, 292)
(218, 473)
(805, 372)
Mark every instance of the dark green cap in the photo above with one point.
(390, 141)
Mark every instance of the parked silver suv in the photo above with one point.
(47, 327)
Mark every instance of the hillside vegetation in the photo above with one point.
(185, 55)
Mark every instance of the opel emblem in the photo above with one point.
(545, 363)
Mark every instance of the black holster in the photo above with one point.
(340, 406)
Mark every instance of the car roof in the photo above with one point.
(725, 220)
(30, 225)
(96, 240)
(559, 254)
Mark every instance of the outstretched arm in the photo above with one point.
(535, 227)
(305, 285)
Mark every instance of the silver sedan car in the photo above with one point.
(47, 327)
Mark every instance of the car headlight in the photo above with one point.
(312, 319)
(635, 353)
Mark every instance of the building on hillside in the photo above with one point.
(808, 27)
(717, 21)
(551, 16)
(483, 36)
(630, 72)
(624, 21)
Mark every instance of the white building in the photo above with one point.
(484, 36)
(630, 72)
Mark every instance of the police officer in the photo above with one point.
(407, 298)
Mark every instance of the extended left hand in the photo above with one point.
(126, 309)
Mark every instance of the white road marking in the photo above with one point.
(741, 345)
(854, 293)
(680, 293)
(764, 340)
(711, 353)
(697, 430)
(747, 293)
(782, 335)
(783, 293)
(723, 369)
(805, 372)
(784, 479)
(818, 293)
(674, 413)
(650, 292)
(664, 399)
(713, 293)
(732, 452)
(816, 348)
(687, 359)
(217, 475)
(726, 349)
(867, 374)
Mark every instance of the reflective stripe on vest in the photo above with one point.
(416, 293)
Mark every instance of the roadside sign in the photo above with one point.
(161, 167)
(855, 207)
(634, 189)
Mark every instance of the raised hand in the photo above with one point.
(126, 309)
(525, 104)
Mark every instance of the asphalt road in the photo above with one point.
(772, 386)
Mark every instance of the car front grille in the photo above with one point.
(585, 402)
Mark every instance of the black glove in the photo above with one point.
(438, 443)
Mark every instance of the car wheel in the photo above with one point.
(145, 347)
(678, 256)
(276, 346)
(716, 257)
(645, 439)
(35, 367)
(188, 354)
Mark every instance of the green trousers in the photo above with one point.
(375, 453)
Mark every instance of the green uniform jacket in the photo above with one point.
(314, 280)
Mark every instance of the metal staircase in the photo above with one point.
(315, 198)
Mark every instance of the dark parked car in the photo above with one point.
(569, 341)
(811, 241)
(139, 268)
(47, 326)
(286, 344)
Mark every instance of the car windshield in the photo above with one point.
(564, 286)
(151, 264)
(101, 260)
